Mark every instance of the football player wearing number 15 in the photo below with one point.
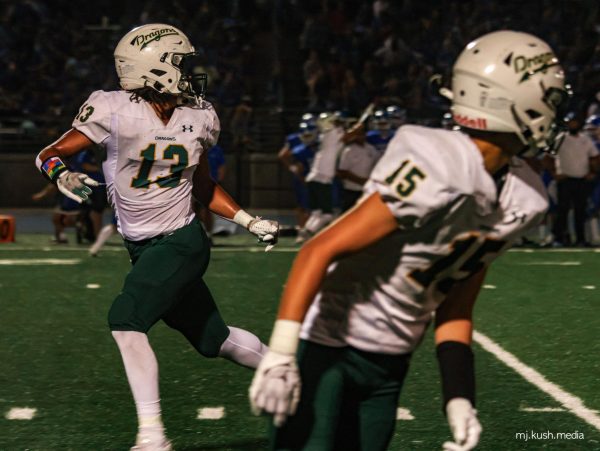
(438, 207)
(157, 132)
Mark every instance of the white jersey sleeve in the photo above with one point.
(413, 185)
(94, 117)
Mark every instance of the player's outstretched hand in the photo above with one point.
(266, 230)
(463, 422)
(75, 185)
(275, 388)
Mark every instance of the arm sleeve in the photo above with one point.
(94, 117)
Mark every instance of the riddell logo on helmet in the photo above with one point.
(143, 40)
(470, 122)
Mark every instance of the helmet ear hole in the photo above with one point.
(533, 114)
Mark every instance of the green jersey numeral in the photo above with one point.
(405, 178)
(148, 155)
(85, 112)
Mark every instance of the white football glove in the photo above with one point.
(275, 388)
(75, 185)
(266, 230)
(463, 422)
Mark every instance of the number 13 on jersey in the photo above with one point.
(171, 180)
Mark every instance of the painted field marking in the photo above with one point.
(39, 261)
(404, 414)
(567, 263)
(589, 287)
(20, 413)
(489, 287)
(217, 248)
(211, 413)
(93, 286)
(570, 402)
(541, 409)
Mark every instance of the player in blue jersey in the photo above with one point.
(381, 131)
(297, 160)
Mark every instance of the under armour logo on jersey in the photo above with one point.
(188, 128)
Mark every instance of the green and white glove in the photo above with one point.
(75, 185)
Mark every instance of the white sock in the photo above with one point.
(104, 234)
(243, 348)
(142, 373)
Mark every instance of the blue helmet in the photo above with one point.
(380, 121)
(308, 133)
(592, 127)
(309, 118)
(396, 115)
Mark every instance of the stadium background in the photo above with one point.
(56, 355)
(261, 55)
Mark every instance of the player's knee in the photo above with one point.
(127, 339)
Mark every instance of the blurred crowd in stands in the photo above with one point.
(56, 53)
(389, 49)
(348, 52)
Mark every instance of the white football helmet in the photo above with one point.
(511, 82)
(161, 57)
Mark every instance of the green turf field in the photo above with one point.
(57, 356)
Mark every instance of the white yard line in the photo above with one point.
(20, 413)
(404, 414)
(541, 409)
(211, 413)
(566, 263)
(39, 261)
(119, 249)
(570, 402)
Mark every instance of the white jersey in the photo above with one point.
(358, 159)
(451, 223)
(323, 167)
(149, 165)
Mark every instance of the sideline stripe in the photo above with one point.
(39, 261)
(570, 402)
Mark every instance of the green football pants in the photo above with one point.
(165, 282)
(349, 400)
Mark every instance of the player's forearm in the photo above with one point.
(222, 203)
(303, 282)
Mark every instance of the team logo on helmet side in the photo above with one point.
(142, 40)
(533, 65)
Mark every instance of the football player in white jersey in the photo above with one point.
(438, 207)
(157, 131)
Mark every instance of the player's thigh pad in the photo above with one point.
(163, 270)
(198, 318)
